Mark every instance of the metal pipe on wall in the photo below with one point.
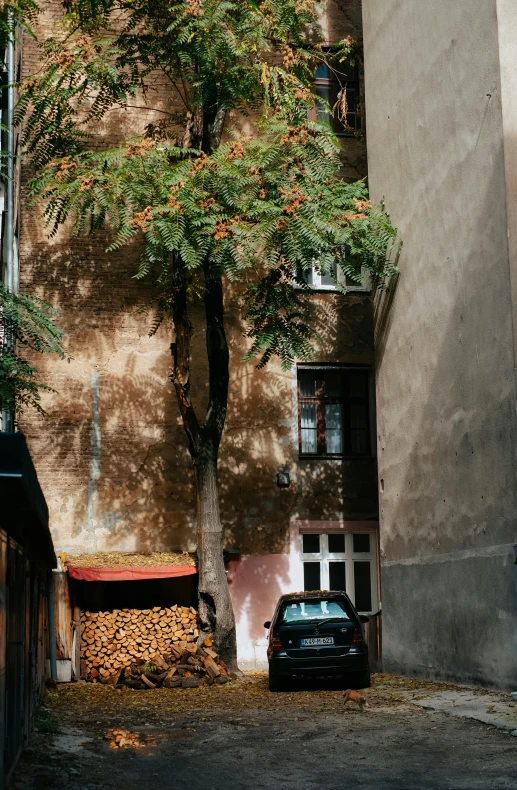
(10, 274)
(11, 278)
(52, 627)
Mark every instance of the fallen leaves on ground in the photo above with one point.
(115, 706)
(382, 679)
(90, 704)
(123, 739)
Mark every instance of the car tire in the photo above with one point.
(275, 684)
(360, 680)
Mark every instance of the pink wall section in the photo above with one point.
(256, 583)
(258, 580)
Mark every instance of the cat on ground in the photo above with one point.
(356, 696)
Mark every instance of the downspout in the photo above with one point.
(10, 276)
(51, 627)
(11, 279)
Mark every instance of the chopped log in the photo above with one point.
(155, 678)
(172, 683)
(159, 661)
(210, 652)
(134, 684)
(147, 682)
(190, 683)
(116, 677)
(211, 667)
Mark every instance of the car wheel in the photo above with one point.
(360, 680)
(275, 684)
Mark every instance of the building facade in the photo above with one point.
(442, 150)
(297, 466)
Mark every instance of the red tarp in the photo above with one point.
(130, 574)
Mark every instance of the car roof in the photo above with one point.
(313, 594)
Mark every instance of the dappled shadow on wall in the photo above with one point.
(113, 457)
(256, 584)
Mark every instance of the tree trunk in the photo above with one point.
(215, 606)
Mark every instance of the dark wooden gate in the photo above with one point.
(15, 653)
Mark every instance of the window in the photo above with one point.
(328, 82)
(301, 612)
(333, 412)
(342, 561)
(327, 281)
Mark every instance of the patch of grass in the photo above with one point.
(46, 723)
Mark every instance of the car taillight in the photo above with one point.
(276, 642)
(357, 639)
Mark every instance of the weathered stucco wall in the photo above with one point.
(445, 356)
(112, 455)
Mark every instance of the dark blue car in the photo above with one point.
(317, 634)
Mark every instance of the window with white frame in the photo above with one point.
(338, 560)
(321, 281)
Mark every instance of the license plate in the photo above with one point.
(318, 640)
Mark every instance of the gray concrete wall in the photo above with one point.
(445, 352)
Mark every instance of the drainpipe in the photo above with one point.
(10, 275)
(52, 627)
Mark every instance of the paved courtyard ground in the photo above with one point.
(241, 736)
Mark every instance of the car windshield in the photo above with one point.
(314, 610)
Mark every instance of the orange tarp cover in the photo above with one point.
(130, 574)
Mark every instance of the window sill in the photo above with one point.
(326, 289)
(311, 457)
(349, 135)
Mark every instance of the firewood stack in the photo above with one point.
(147, 648)
(197, 665)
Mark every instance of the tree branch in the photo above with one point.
(191, 137)
(125, 106)
(184, 99)
(213, 130)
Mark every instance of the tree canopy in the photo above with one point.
(273, 203)
(262, 208)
